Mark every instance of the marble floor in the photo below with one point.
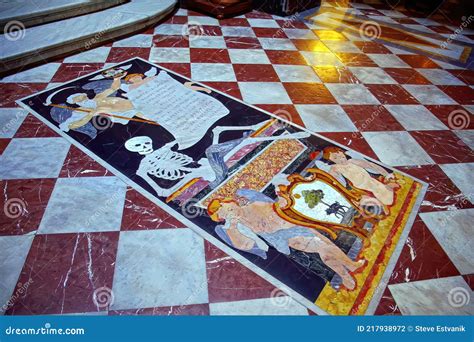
(403, 108)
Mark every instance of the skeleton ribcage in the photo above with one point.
(167, 164)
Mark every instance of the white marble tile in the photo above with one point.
(325, 118)
(170, 29)
(467, 136)
(237, 31)
(398, 51)
(255, 22)
(397, 148)
(440, 77)
(84, 204)
(258, 307)
(296, 73)
(461, 175)
(248, 56)
(274, 93)
(163, 267)
(13, 252)
(33, 158)
(445, 65)
(351, 94)
(138, 40)
(415, 117)
(428, 94)
(454, 232)
(98, 55)
(217, 72)
(387, 60)
(372, 75)
(277, 44)
(321, 59)
(41, 74)
(208, 42)
(299, 33)
(170, 55)
(203, 20)
(10, 121)
(441, 296)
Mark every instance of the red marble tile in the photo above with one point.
(177, 19)
(444, 146)
(442, 193)
(196, 14)
(234, 22)
(181, 68)
(453, 116)
(242, 43)
(355, 59)
(422, 258)
(209, 56)
(210, 30)
(469, 278)
(228, 280)
(285, 57)
(170, 41)
(79, 164)
(64, 271)
(119, 54)
(70, 71)
(371, 47)
(291, 23)
(287, 112)
(387, 305)
(230, 88)
(406, 76)
(182, 310)
(419, 61)
(255, 73)
(408, 21)
(353, 140)
(141, 214)
(15, 91)
(269, 32)
(372, 118)
(309, 93)
(335, 75)
(34, 128)
(310, 45)
(3, 144)
(462, 94)
(23, 203)
(258, 15)
(467, 76)
(391, 94)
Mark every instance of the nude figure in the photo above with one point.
(355, 171)
(259, 217)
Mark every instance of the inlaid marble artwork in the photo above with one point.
(322, 222)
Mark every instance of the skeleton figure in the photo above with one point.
(170, 165)
(166, 164)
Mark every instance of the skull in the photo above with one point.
(142, 145)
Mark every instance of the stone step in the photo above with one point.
(36, 44)
(27, 13)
